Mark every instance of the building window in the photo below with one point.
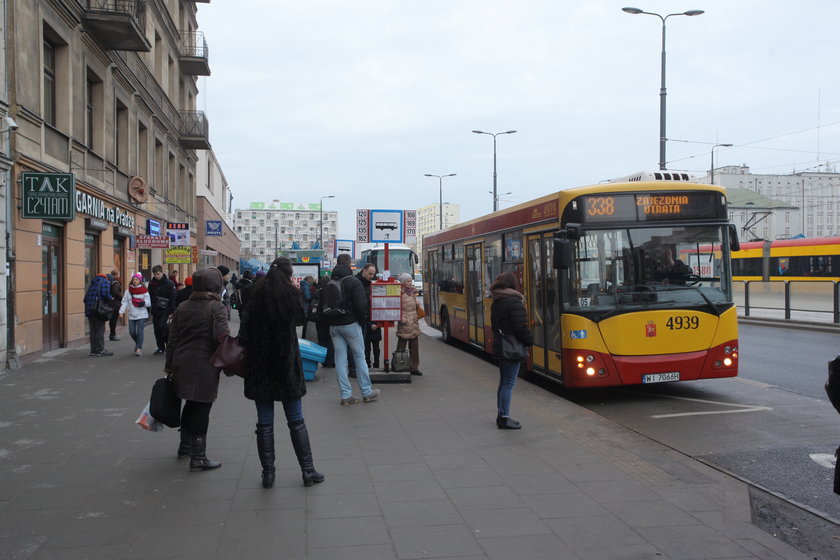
(93, 113)
(142, 150)
(49, 83)
(121, 134)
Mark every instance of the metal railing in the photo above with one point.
(817, 300)
(134, 8)
(194, 123)
(193, 44)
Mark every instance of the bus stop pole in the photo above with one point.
(385, 361)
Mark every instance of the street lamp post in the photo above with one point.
(712, 172)
(440, 184)
(662, 91)
(495, 198)
(321, 227)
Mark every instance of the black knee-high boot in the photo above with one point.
(265, 449)
(185, 446)
(198, 457)
(300, 441)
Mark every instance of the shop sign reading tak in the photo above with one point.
(48, 195)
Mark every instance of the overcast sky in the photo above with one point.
(359, 99)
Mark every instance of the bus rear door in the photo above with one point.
(475, 295)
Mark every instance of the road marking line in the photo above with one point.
(740, 407)
(754, 383)
(826, 460)
(746, 409)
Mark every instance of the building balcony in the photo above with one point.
(118, 25)
(195, 130)
(194, 54)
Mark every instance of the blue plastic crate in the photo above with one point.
(311, 354)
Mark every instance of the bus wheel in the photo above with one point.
(445, 330)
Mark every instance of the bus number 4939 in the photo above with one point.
(681, 322)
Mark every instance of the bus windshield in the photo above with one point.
(660, 268)
(399, 260)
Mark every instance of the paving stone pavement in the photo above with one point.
(421, 473)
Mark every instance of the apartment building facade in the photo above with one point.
(268, 228)
(429, 220)
(816, 195)
(103, 93)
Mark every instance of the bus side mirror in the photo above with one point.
(416, 258)
(734, 244)
(562, 258)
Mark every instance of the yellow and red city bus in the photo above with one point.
(607, 301)
(815, 259)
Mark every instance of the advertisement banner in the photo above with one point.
(178, 255)
(152, 242)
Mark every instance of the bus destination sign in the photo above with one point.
(650, 207)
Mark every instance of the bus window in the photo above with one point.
(492, 262)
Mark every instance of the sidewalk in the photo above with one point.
(422, 473)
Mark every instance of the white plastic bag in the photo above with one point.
(147, 422)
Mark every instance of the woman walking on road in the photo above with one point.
(408, 330)
(137, 301)
(274, 369)
(197, 326)
(507, 317)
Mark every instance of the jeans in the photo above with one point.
(97, 334)
(136, 329)
(508, 370)
(292, 408)
(344, 337)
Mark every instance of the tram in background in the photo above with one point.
(816, 259)
(401, 258)
(608, 297)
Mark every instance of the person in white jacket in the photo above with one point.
(137, 301)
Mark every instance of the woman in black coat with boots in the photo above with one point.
(274, 369)
(197, 326)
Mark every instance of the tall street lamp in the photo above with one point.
(662, 91)
(495, 198)
(712, 173)
(440, 184)
(321, 224)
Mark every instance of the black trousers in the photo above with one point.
(195, 417)
(97, 334)
(112, 322)
(159, 324)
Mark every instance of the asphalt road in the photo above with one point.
(773, 425)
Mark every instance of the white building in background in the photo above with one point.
(428, 220)
(268, 227)
(760, 217)
(815, 194)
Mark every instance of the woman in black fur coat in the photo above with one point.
(274, 369)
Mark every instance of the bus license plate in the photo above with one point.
(661, 377)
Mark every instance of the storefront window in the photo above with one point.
(91, 258)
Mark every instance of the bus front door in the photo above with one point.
(543, 304)
(475, 296)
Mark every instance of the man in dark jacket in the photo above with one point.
(99, 289)
(347, 335)
(162, 292)
(116, 298)
(372, 331)
(241, 289)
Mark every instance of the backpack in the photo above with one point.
(236, 298)
(333, 300)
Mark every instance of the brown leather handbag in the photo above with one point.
(420, 312)
(229, 357)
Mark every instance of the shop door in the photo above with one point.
(51, 263)
(475, 296)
